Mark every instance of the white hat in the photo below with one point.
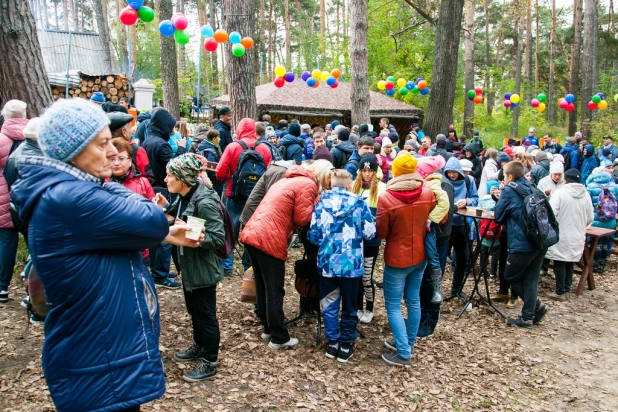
(466, 165)
(31, 131)
(305, 127)
(386, 142)
(556, 167)
(519, 149)
(14, 109)
(534, 152)
(531, 130)
(549, 156)
(558, 158)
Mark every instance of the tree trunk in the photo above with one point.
(536, 53)
(239, 16)
(489, 93)
(74, 15)
(590, 62)
(468, 67)
(323, 28)
(133, 56)
(65, 14)
(288, 34)
(57, 26)
(271, 40)
(182, 55)
(551, 101)
(19, 47)
(214, 62)
(575, 57)
(528, 56)
(169, 68)
(444, 76)
(358, 58)
(124, 53)
(519, 29)
(102, 28)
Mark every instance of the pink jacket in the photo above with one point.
(12, 130)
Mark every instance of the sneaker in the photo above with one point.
(332, 350)
(25, 301)
(291, 343)
(512, 302)
(499, 297)
(345, 354)
(367, 317)
(424, 331)
(519, 322)
(492, 277)
(4, 295)
(37, 319)
(190, 354)
(460, 294)
(172, 275)
(265, 336)
(555, 296)
(395, 359)
(167, 283)
(360, 314)
(204, 370)
(540, 313)
(390, 344)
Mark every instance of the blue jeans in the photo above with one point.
(235, 207)
(160, 258)
(431, 251)
(9, 238)
(335, 293)
(403, 283)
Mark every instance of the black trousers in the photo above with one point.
(486, 253)
(522, 272)
(459, 242)
(202, 307)
(564, 276)
(176, 259)
(269, 275)
(504, 253)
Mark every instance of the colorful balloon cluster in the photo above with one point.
(598, 102)
(539, 102)
(213, 37)
(567, 102)
(176, 26)
(134, 11)
(313, 79)
(511, 100)
(476, 95)
(403, 87)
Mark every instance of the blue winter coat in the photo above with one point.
(101, 350)
(573, 154)
(352, 165)
(461, 188)
(594, 183)
(294, 148)
(508, 211)
(590, 162)
(341, 153)
(308, 150)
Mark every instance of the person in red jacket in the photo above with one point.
(226, 169)
(120, 126)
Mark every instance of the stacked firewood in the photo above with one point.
(112, 87)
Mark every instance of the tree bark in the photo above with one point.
(271, 40)
(590, 63)
(536, 53)
(468, 67)
(214, 62)
(102, 28)
(133, 56)
(323, 28)
(519, 29)
(74, 15)
(288, 34)
(240, 17)
(20, 49)
(489, 93)
(444, 76)
(65, 14)
(169, 68)
(45, 14)
(528, 56)
(358, 58)
(182, 55)
(575, 57)
(551, 101)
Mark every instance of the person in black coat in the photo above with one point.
(471, 154)
(223, 127)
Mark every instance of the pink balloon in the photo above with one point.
(564, 104)
(181, 22)
(507, 103)
(534, 102)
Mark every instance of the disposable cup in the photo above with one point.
(197, 225)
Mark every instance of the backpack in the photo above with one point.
(606, 204)
(227, 248)
(490, 229)
(567, 160)
(250, 168)
(537, 220)
(274, 151)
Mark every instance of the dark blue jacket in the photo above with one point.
(589, 163)
(158, 149)
(212, 154)
(225, 133)
(101, 349)
(573, 156)
(341, 153)
(308, 151)
(294, 148)
(142, 128)
(352, 165)
(508, 211)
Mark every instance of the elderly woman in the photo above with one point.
(102, 329)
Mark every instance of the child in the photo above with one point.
(490, 232)
(340, 222)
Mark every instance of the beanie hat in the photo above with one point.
(14, 109)
(31, 131)
(404, 164)
(440, 136)
(556, 167)
(466, 165)
(519, 149)
(386, 142)
(557, 158)
(343, 135)
(98, 97)
(294, 129)
(540, 155)
(429, 164)
(186, 168)
(334, 123)
(573, 176)
(327, 127)
(531, 130)
(491, 184)
(607, 162)
(531, 148)
(363, 129)
(394, 137)
(68, 126)
(503, 157)
(353, 138)
(322, 152)
(441, 144)
(476, 132)
(379, 140)
(607, 152)
(368, 161)
(456, 146)
(508, 151)
(305, 126)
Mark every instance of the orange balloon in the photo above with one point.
(315, 86)
(221, 36)
(478, 99)
(422, 85)
(247, 42)
(335, 73)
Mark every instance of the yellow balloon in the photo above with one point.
(381, 85)
(280, 71)
(603, 104)
(325, 75)
(514, 98)
(541, 107)
(401, 82)
(616, 97)
(316, 74)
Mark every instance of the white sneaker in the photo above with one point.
(367, 317)
(360, 314)
(265, 336)
(292, 342)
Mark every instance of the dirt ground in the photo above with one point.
(476, 362)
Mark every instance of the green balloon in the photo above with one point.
(238, 50)
(596, 99)
(416, 90)
(390, 79)
(146, 14)
(541, 97)
(471, 94)
(181, 37)
(403, 91)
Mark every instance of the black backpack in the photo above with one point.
(537, 219)
(228, 225)
(251, 166)
(274, 151)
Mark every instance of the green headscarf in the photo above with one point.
(186, 168)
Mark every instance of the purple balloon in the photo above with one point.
(289, 77)
(507, 96)
(471, 98)
(305, 75)
(419, 79)
(601, 95)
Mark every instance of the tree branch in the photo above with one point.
(421, 12)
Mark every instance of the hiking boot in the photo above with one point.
(540, 313)
(424, 331)
(499, 297)
(436, 281)
(519, 322)
(555, 296)
(345, 354)
(390, 344)
(4, 295)
(167, 283)
(395, 359)
(512, 302)
(204, 370)
(289, 344)
(25, 301)
(332, 350)
(37, 319)
(190, 354)
(367, 317)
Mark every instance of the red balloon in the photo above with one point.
(128, 16)
(592, 105)
(478, 99)
(570, 107)
(478, 90)
(507, 103)
(334, 86)
(279, 82)
(211, 44)
(180, 22)
(389, 85)
(563, 104)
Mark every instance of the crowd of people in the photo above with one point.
(106, 199)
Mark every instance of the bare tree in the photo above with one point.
(45, 14)
(591, 62)
(468, 34)
(214, 62)
(358, 57)
(124, 52)
(575, 57)
(57, 26)
(288, 33)
(323, 27)
(169, 68)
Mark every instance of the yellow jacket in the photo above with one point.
(434, 182)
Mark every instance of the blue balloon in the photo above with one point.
(514, 105)
(207, 31)
(311, 82)
(166, 28)
(507, 96)
(136, 4)
(331, 80)
(235, 37)
(425, 91)
(410, 85)
(569, 98)
(305, 75)
(390, 92)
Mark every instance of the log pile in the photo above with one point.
(113, 88)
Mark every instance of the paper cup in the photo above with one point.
(197, 225)
(479, 212)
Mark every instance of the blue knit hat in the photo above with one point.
(503, 157)
(97, 97)
(68, 126)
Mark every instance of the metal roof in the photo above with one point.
(86, 51)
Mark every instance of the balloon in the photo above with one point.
(136, 4)
(507, 103)
(166, 28)
(563, 104)
(335, 73)
(569, 98)
(592, 105)
(211, 44)
(128, 16)
(416, 90)
(247, 42)
(515, 98)
(478, 90)
(601, 95)
(390, 79)
(289, 77)
(316, 85)
(146, 14)
(238, 50)
(279, 82)
(325, 75)
(478, 99)
(471, 98)
(390, 92)
(390, 85)
(334, 85)
(181, 37)
(311, 81)
(330, 80)
(382, 85)
(541, 97)
(220, 36)
(207, 31)
(596, 99)
(422, 84)
(235, 37)
(175, 15)
(424, 91)
(471, 94)
(616, 97)
(570, 107)
(401, 82)
(316, 74)
(410, 85)
(181, 22)
(280, 71)
(403, 91)
(603, 104)
(514, 105)
(534, 102)
(418, 80)
(305, 75)
(507, 96)
(541, 108)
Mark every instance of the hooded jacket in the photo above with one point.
(573, 210)
(142, 128)
(461, 188)
(293, 148)
(12, 132)
(341, 153)
(589, 163)
(476, 162)
(212, 153)
(158, 149)
(102, 329)
(339, 223)
(444, 230)
(540, 170)
(573, 154)
(225, 133)
(508, 212)
(373, 207)
(596, 181)
(548, 183)
(490, 172)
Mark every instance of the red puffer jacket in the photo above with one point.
(288, 204)
(12, 130)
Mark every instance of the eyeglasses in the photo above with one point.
(118, 159)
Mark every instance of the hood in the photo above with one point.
(205, 144)
(453, 164)
(246, 129)
(545, 163)
(522, 181)
(568, 148)
(289, 140)
(599, 177)
(298, 171)
(590, 149)
(14, 128)
(406, 188)
(575, 190)
(347, 147)
(143, 116)
(161, 124)
(470, 147)
(340, 202)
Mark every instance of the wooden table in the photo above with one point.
(595, 233)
